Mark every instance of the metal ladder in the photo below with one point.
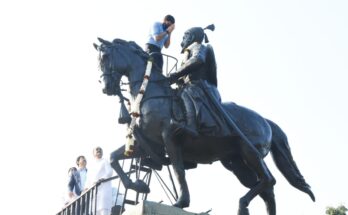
(136, 171)
(139, 171)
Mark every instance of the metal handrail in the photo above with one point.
(175, 65)
(81, 205)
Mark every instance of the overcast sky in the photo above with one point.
(287, 60)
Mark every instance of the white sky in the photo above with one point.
(287, 60)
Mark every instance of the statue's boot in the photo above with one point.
(190, 128)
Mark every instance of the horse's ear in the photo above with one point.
(96, 46)
(104, 41)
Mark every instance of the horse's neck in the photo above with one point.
(136, 79)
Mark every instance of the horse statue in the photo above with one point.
(156, 142)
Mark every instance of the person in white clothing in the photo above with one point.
(98, 170)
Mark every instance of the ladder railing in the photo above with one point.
(142, 173)
(86, 203)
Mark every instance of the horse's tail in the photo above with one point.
(283, 159)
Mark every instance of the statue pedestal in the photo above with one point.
(153, 208)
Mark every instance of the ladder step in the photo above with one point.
(144, 169)
(130, 202)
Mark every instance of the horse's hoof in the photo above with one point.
(182, 203)
(140, 187)
(243, 211)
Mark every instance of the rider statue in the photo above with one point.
(198, 87)
(204, 111)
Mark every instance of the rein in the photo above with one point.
(153, 81)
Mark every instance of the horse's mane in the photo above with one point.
(111, 48)
(133, 45)
(117, 46)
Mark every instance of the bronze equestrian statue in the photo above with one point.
(163, 132)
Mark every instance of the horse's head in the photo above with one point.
(116, 59)
(110, 77)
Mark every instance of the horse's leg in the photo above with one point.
(117, 155)
(255, 161)
(249, 178)
(175, 155)
(268, 197)
(244, 174)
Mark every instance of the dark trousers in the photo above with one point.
(155, 53)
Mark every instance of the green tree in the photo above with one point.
(340, 210)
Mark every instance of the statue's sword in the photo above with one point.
(229, 121)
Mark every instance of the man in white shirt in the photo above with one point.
(98, 170)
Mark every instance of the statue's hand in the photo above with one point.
(172, 78)
(180, 82)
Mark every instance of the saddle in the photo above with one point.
(209, 121)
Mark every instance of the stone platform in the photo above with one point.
(153, 208)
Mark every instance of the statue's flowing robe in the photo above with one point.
(199, 74)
